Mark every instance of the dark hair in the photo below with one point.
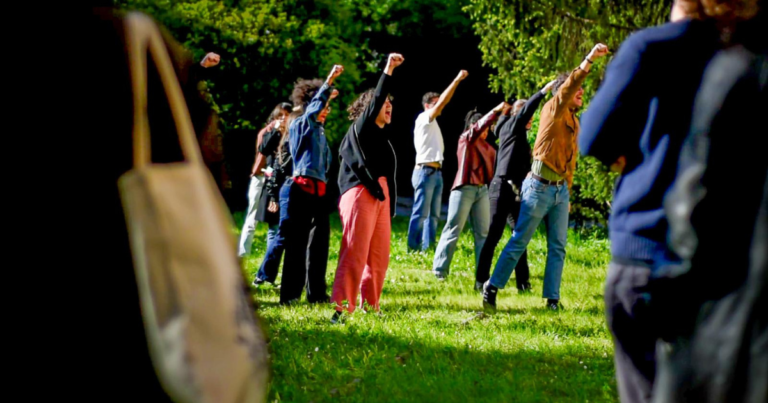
(279, 109)
(363, 100)
(471, 118)
(428, 97)
(559, 82)
(305, 90)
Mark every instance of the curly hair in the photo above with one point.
(305, 90)
(358, 107)
(724, 11)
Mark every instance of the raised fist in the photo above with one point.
(549, 86)
(336, 70)
(211, 59)
(395, 59)
(501, 107)
(462, 75)
(599, 50)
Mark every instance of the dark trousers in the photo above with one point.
(633, 329)
(304, 233)
(504, 211)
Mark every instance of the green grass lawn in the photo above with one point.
(431, 346)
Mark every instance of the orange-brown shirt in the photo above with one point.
(556, 142)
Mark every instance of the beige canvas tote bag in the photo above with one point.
(204, 340)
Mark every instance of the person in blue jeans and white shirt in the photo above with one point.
(546, 191)
(469, 194)
(304, 203)
(427, 179)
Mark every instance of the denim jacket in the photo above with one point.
(309, 147)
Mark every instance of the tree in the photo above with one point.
(266, 45)
(529, 42)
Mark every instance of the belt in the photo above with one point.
(546, 181)
(310, 185)
(422, 166)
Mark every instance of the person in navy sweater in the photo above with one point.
(636, 123)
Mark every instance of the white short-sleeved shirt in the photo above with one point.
(428, 140)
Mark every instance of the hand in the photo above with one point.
(210, 60)
(547, 88)
(336, 71)
(500, 107)
(334, 94)
(599, 50)
(395, 59)
(462, 75)
(619, 165)
(272, 207)
(569, 207)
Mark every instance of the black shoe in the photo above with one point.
(322, 300)
(489, 296)
(336, 318)
(524, 288)
(291, 301)
(554, 304)
(478, 286)
(440, 275)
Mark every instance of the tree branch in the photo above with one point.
(568, 14)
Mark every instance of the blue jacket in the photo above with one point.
(309, 147)
(643, 111)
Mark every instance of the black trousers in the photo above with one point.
(633, 328)
(305, 232)
(504, 211)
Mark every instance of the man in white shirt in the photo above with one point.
(427, 179)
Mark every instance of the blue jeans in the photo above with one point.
(539, 202)
(427, 201)
(271, 262)
(464, 201)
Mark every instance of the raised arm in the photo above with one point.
(446, 96)
(529, 109)
(573, 83)
(321, 98)
(382, 91)
(485, 122)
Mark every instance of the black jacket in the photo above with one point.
(513, 160)
(366, 153)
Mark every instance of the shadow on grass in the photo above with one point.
(348, 364)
